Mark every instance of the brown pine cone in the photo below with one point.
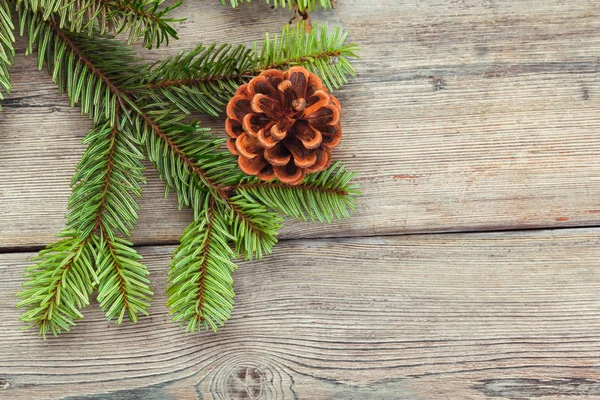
(284, 125)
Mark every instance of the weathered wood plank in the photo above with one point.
(462, 316)
(464, 116)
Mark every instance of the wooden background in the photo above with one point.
(469, 271)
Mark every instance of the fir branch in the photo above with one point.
(325, 54)
(302, 5)
(108, 78)
(108, 177)
(194, 165)
(322, 196)
(233, 207)
(200, 292)
(205, 78)
(188, 159)
(58, 285)
(123, 287)
(88, 69)
(7, 50)
(110, 172)
(254, 228)
(139, 18)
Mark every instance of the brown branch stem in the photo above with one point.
(119, 274)
(127, 7)
(64, 269)
(284, 185)
(241, 75)
(205, 252)
(110, 162)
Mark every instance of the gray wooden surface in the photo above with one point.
(466, 116)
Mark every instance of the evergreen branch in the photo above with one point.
(200, 292)
(110, 172)
(139, 18)
(7, 50)
(123, 287)
(324, 54)
(109, 93)
(79, 65)
(59, 284)
(193, 166)
(189, 160)
(322, 196)
(303, 5)
(227, 205)
(108, 177)
(254, 228)
(205, 78)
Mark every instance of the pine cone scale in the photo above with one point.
(247, 146)
(257, 166)
(289, 174)
(332, 135)
(262, 85)
(303, 157)
(328, 115)
(322, 162)
(310, 137)
(278, 155)
(272, 108)
(283, 125)
(298, 78)
(252, 124)
(238, 107)
(316, 101)
(266, 138)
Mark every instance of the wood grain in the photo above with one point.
(464, 116)
(461, 316)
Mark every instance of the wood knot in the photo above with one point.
(245, 382)
(246, 376)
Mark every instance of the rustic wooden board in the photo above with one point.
(461, 316)
(465, 116)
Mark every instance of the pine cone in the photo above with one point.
(284, 125)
